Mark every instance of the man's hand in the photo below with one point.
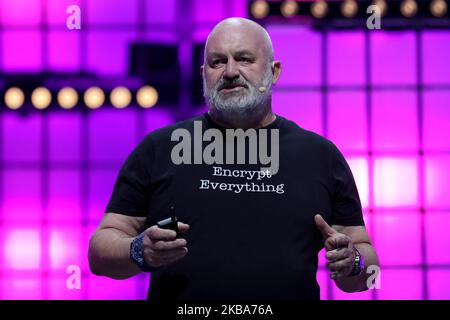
(340, 250)
(161, 246)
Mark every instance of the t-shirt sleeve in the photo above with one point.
(346, 204)
(132, 189)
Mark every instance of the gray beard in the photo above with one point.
(240, 107)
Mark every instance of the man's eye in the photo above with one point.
(216, 62)
(246, 60)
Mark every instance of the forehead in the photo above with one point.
(233, 39)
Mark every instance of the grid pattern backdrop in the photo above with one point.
(381, 96)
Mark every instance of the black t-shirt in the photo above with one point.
(249, 238)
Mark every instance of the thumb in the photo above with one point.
(323, 226)
(183, 227)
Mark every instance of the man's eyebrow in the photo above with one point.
(216, 54)
(237, 53)
(244, 52)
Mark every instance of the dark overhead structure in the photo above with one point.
(347, 14)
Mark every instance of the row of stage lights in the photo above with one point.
(260, 9)
(94, 97)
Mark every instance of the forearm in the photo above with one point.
(109, 254)
(359, 283)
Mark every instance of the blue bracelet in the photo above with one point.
(136, 254)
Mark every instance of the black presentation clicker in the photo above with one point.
(170, 223)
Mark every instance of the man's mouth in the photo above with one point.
(232, 88)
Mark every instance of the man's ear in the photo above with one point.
(276, 69)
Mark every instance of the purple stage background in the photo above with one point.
(381, 96)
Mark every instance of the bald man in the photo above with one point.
(238, 231)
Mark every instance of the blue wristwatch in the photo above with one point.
(136, 254)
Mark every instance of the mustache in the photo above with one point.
(235, 82)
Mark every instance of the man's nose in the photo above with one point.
(231, 70)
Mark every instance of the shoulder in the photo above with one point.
(309, 139)
(163, 135)
(166, 131)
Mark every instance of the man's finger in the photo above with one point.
(330, 243)
(155, 233)
(162, 258)
(171, 254)
(168, 245)
(166, 257)
(323, 226)
(337, 274)
(183, 227)
(342, 240)
(337, 241)
(340, 265)
(339, 254)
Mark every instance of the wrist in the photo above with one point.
(358, 263)
(137, 254)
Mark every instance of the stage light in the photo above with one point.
(120, 97)
(408, 8)
(94, 97)
(147, 96)
(381, 4)
(14, 98)
(41, 98)
(22, 249)
(67, 98)
(438, 8)
(319, 9)
(260, 9)
(289, 8)
(349, 8)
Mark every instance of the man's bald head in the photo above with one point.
(247, 28)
